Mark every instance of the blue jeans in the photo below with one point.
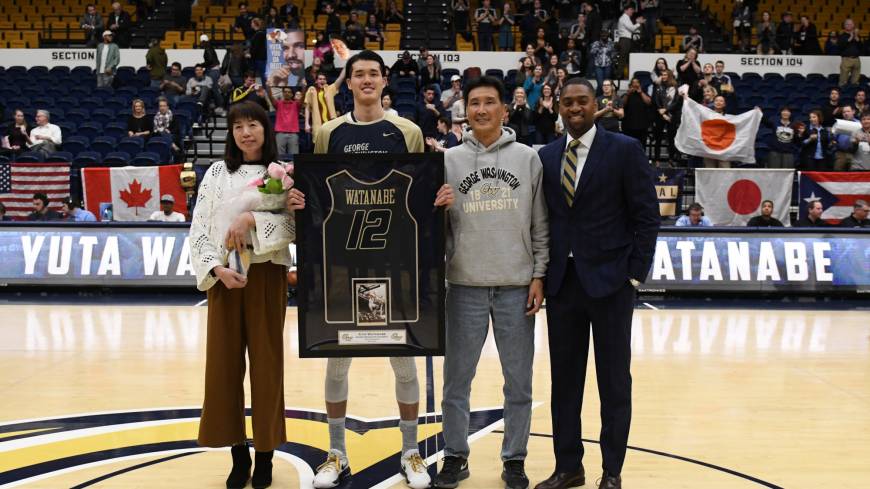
(601, 74)
(468, 313)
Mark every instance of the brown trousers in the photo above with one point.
(252, 318)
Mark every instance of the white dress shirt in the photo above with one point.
(50, 130)
(625, 28)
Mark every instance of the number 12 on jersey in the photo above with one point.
(369, 229)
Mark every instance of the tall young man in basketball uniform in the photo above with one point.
(500, 208)
(367, 129)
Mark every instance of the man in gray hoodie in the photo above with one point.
(497, 253)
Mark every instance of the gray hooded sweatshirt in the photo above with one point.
(497, 233)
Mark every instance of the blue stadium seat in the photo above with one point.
(131, 145)
(17, 102)
(90, 129)
(82, 71)
(68, 102)
(406, 82)
(77, 116)
(130, 91)
(67, 129)
(143, 74)
(406, 93)
(116, 104)
(80, 93)
(60, 157)
(85, 159)
(122, 115)
(146, 158)
(43, 101)
(92, 102)
(16, 70)
(76, 144)
(58, 71)
(126, 77)
(116, 130)
(117, 158)
(30, 157)
(161, 147)
(495, 72)
(103, 145)
(103, 93)
(102, 116)
(154, 92)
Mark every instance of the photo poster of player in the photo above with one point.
(370, 247)
(372, 301)
(285, 57)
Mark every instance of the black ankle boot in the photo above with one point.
(262, 470)
(238, 477)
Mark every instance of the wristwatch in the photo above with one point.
(634, 283)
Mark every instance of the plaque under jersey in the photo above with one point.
(371, 248)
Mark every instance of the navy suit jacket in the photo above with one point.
(613, 224)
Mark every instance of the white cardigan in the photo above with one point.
(271, 236)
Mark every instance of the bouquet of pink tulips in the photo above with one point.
(263, 194)
(277, 179)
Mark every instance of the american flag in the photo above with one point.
(837, 191)
(19, 181)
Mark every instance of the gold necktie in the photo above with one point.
(569, 173)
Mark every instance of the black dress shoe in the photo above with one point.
(241, 471)
(563, 480)
(262, 477)
(610, 481)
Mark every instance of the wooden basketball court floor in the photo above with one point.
(108, 396)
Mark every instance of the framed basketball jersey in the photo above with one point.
(370, 246)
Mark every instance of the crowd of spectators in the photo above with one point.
(561, 39)
(73, 211)
(858, 218)
(567, 29)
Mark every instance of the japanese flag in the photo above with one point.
(731, 197)
(134, 192)
(708, 134)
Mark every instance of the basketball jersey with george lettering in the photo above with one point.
(371, 235)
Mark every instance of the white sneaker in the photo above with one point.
(414, 470)
(333, 471)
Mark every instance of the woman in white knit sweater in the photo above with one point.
(245, 311)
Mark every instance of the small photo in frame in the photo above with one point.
(372, 303)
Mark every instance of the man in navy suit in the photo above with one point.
(604, 220)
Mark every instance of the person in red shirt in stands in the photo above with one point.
(286, 120)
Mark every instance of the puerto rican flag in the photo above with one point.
(837, 191)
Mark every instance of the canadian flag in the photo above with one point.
(708, 134)
(134, 192)
(733, 196)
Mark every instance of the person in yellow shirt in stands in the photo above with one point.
(320, 102)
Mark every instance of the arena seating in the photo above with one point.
(827, 17)
(29, 24)
(93, 120)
